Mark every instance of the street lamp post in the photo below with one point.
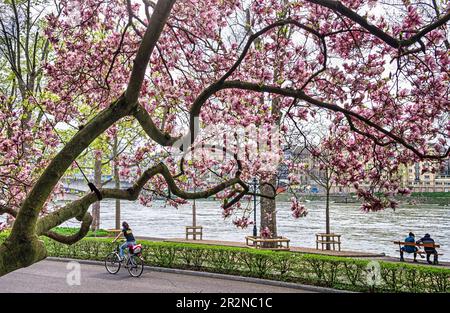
(194, 230)
(194, 218)
(255, 231)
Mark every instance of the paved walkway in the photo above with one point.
(293, 249)
(409, 260)
(52, 276)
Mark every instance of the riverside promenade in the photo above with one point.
(342, 253)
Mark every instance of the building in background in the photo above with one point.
(428, 182)
(413, 178)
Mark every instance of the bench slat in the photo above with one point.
(326, 241)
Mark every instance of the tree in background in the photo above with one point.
(27, 140)
(313, 161)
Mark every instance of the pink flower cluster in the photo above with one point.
(266, 233)
(242, 222)
(298, 210)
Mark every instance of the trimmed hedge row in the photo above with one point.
(319, 270)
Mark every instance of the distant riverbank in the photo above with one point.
(439, 198)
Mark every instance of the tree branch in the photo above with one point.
(151, 129)
(154, 29)
(78, 208)
(71, 239)
(299, 94)
(337, 6)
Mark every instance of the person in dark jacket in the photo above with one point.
(130, 241)
(409, 249)
(429, 250)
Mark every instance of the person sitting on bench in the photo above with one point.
(429, 250)
(409, 249)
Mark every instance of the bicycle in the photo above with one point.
(133, 261)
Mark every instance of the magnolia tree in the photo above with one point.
(179, 68)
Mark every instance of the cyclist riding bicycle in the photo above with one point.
(130, 241)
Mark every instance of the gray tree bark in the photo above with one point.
(268, 207)
(268, 192)
(116, 180)
(97, 182)
(268, 187)
(327, 207)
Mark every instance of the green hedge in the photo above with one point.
(319, 270)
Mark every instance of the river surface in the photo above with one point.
(369, 232)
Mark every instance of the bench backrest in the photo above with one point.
(426, 245)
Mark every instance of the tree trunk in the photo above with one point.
(267, 206)
(268, 188)
(97, 183)
(116, 180)
(21, 252)
(327, 207)
(268, 210)
(327, 213)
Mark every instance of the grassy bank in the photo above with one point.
(319, 197)
(439, 198)
(67, 231)
(319, 270)
(431, 194)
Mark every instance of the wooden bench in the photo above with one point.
(328, 239)
(114, 232)
(194, 231)
(278, 243)
(420, 252)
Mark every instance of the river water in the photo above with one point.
(369, 232)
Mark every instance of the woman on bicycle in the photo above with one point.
(130, 241)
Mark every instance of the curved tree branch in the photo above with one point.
(71, 239)
(337, 6)
(258, 34)
(78, 208)
(154, 29)
(151, 129)
(214, 87)
(374, 139)
(299, 94)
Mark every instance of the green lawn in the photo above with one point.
(71, 230)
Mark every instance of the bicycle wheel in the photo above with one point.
(112, 263)
(135, 266)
